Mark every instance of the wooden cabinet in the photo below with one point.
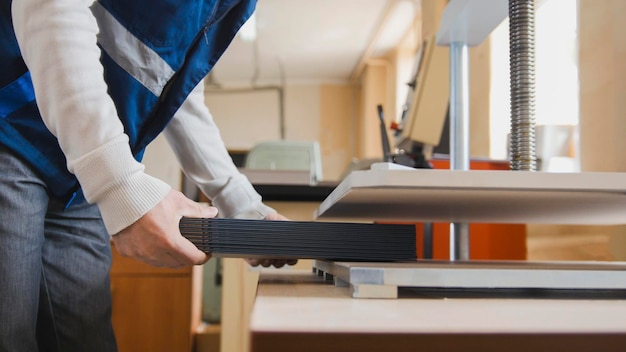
(154, 309)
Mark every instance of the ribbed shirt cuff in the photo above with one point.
(113, 179)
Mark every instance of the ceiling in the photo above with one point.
(313, 40)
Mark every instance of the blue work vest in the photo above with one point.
(154, 52)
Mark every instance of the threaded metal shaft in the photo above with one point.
(522, 73)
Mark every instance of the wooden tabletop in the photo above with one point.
(299, 311)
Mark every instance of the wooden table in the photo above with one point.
(300, 311)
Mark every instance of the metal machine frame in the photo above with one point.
(466, 23)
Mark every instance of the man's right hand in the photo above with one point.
(155, 238)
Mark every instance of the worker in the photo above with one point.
(84, 87)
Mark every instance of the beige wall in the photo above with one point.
(602, 69)
(602, 88)
(302, 111)
(602, 73)
(373, 92)
(313, 112)
(431, 16)
(246, 117)
(336, 130)
(479, 99)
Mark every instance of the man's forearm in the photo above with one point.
(58, 43)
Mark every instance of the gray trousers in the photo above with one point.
(54, 268)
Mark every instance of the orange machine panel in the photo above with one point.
(487, 241)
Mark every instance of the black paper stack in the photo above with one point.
(301, 239)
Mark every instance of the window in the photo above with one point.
(557, 85)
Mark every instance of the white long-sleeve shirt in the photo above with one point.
(57, 39)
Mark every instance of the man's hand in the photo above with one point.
(155, 238)
(278, 263)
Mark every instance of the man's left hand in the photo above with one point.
(266, 262)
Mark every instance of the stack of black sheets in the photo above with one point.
(301, 239)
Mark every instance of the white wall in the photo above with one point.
(247, 117)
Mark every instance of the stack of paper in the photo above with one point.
(301, 239)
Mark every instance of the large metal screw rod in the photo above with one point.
(522, 72)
